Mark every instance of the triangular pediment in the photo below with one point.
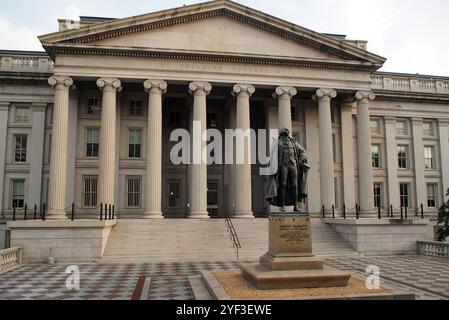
(217, 28)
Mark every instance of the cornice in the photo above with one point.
(211, 57)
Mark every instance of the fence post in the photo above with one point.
(113, 212)
(101, 212)
(344, 211)
(406, 212)
(402, 213)
(422, 213)
(110, 211)
(357, 211)
(379, 214)
(333, 211)
(392, 211)
(25, 213)
(14, 213)
(324, 212)
(35, 212)
(73, 212)
(44, 209)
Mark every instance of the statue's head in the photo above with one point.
(284, 132)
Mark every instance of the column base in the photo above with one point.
(199, 215)
(244, 215)
(153, 215)
(56, 216)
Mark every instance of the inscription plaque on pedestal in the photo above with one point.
(290, 236)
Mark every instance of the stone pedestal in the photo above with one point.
(289, 262)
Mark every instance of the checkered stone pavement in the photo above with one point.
(427, 277)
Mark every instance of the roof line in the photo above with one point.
(25, 52)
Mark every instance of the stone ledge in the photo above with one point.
(61, 224)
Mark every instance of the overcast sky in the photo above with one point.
(412, 34)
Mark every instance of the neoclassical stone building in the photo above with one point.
(88, 121)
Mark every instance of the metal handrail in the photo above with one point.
(233, 234)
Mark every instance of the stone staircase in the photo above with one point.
(186, 240)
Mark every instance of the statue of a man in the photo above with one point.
(288, 187)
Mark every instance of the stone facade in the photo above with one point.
(326, 88)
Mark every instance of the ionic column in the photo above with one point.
(347, 134)
(198, 167)
(106, 179)
(243, 190)
(58, 163)
(326, 149)
(285, 95)
(392, 161)
(155, 89)
(366, 193)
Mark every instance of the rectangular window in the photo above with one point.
(405, 196)
(429, 162)
(401, 128)
(93, 142)
(135, 143)
(402, 157)
(428, 129)
(175, 118)
(375, 154)
(212, 120)
(18, 194)
(174, 195)
(375, 126)
(22, 115)
(377, 195)
(90, 191)
(432, 195)
(94, 107)
(20, 155)
(135, 108)
(134, 192)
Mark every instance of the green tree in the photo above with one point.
(443, 221)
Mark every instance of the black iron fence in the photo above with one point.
(106, 212)
(402, 212)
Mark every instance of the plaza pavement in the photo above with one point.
(427, 277)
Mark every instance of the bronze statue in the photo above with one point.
(288, 187)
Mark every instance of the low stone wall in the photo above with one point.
(67, 241)
(3, 228)
(382, 237)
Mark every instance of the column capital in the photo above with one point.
(243, 88)
(288, 92)
(198, 87)
(60, 80)
(112, 83)
(326, 93)
(156, 86)
(364, 95)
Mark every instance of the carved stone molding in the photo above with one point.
(158, 86)
(198, 87)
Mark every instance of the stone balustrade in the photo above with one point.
(410, 83)
(26, 62)
(434, 249)
(10, 259)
